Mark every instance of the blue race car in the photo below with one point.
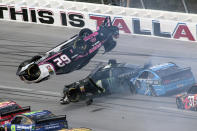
(162, 79)
(36, 121)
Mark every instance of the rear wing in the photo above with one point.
(178, 71)
(17, 111)
(178, 75)
(52, 119)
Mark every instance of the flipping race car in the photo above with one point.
(36, 121)
(70, 55)
(163, 79)
(104, 80)
(9, 109)
(188, 100)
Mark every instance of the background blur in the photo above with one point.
(186, 6)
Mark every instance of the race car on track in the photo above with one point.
(104, 80)
(36, 121)
(163, 79)
(117, 77)
(9, 109)
(70, 55)
(188, 100)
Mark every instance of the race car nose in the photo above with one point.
(20, 73)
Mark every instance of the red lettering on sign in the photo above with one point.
(120, 23)
(183, 31)
(99, 19)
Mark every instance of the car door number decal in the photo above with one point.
(13, 128)
(62, 60)
(192, 100)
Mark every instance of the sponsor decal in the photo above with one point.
(126, 24)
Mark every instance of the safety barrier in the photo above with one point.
(77, 14)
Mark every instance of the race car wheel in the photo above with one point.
(109, 45)
(152, 90)
(179, 103)
(132, 89)
(112, 62)
(137, 84)
(85, 32)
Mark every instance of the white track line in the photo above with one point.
(29, 90)
(16, 88)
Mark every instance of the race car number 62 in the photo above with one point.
(62, 60)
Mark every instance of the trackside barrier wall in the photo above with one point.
(86, 15)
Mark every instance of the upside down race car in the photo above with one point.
(70, 55)
(188, 100)
(163, 79)
(9, 109)
(104, 80)
(36, 121)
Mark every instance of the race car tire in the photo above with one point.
(179, 103)
(2, 129)
(137, 84)
(109, 45)
(89, 102)
(153, 93)
(132, 89)
(85, 32)
(112, 61)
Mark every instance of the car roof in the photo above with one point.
(162, 66)
(37, 115)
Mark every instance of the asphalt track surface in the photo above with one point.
(122, 112)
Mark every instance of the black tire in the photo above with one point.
(2, 129)
(109, 45)
(152, 90)
(137, 84)
(112, 61)
(179, 103)
(132, 89)
(85, 32)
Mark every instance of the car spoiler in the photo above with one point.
(24, 109)
(50, 119)
(177, 75)
(178, 71)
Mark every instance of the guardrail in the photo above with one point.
(86, 15)
(104, 9)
